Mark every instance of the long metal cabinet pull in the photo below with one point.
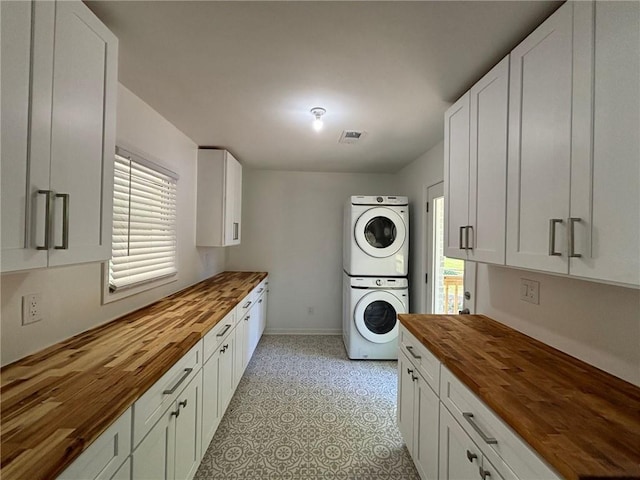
(487, 439)
(460, 239)
(184, 376)
(236, 230)
(47, 219)
(552, 237)
(226, 329)
(65, 221)
(466, 237)
(413, 354)
(572, 247)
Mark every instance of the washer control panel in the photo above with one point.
(379, 200)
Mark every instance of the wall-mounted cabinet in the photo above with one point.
(476, 170)
(219, 199)
(59, 83)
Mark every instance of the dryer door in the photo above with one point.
(380, 232)
(376, 316)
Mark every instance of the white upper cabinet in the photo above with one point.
(476, 169)
(59, 81)
(605, 173)
(540, 100)
(456, 177)
(219, 199)
(574, 155)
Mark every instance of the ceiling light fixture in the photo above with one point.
(318, 112)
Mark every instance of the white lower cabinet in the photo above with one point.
(449, 432)
(418, 418)
(171, 450)
(107, 457)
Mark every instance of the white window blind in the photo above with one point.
(144, 222)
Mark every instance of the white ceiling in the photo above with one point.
(244, 75)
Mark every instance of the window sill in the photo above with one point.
(108, 297)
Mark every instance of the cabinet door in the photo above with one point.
(425, 434)
(456, 177)
(460, 458)
(539, 163)
(154, 458)
(232, 200)
(240, 347)
(27, 52)
(226, 384)
(605, 182)
(406, 400)
(263, 316)
(82, 135)
(188, 430)
(237, 201)
(210, 411)
(488, 165)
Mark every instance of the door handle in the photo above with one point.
(47, 219)
(572, 247)
(487, 439)
(65, 221)
(552, 237)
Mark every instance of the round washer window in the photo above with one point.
(380, 232)
(380, 317)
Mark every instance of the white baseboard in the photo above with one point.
(303, 331)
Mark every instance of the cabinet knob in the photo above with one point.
(471, 456)
(409, 370)
(176, 413)
(484, 474)
(182, 404)
(414, 378)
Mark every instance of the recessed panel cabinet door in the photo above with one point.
(154, 458)
(539, 158)
(425, 434)
(456, 178)
(82, 135)
(188, 429)
(210, 411)
(460, 458)
(405, 400)
(605, 182)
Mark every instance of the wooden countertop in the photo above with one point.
(581, 420)
(56, 402)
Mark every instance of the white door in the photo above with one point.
(425, 433)
(210, 414)
(406, 373)
(456, 178)
(154, 457)
(605, 183)
(26, 31)
(380, 232)
(376, 316)
(488, 165)
(460, 459)
(450, 282)
(226, 384)
(82, 135)
(539, 163)
(188, 430)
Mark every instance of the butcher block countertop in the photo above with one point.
(581, 420)
(56, 402)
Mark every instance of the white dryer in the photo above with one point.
(376, 236)
(370, 316)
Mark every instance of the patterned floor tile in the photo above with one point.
(304, 411)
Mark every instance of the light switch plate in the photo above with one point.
(530, 291)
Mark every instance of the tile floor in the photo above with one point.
(304, 411)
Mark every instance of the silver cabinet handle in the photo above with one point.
(226, 329)
(552, 237)
(260, 301)
(467, 229)
(409, 370)
(572, 247)
(47, 219)
(487, 439)
(246, 305)
(261, 290)
(236, 230)
(460, 239)
(65, 221)
(484, 474)
(471, 456)
(184, 376)
(413, 354)
(414, 378)
(246, 319)
(183, 403)
(176, 413)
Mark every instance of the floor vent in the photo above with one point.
(352, 136)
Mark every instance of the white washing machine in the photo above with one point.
(376, 236)
(369, 319)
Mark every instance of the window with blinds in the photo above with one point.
(144, 222)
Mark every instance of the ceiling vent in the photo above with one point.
(352, 136)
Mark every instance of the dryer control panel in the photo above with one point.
(379, 200)
(379, 282)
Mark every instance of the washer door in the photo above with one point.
(380, 232)
(376, 316)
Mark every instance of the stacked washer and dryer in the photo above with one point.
(375, 287)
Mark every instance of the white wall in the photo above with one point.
(292, 228)
(413, 180)
(72, 295)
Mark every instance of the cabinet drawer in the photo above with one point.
(244, 306)
(216, 335)
(425, 361)
(259, 290)
(152, 405)
(105, 455)
(498, 442)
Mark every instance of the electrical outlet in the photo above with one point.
(530, 291)
(32, 308)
